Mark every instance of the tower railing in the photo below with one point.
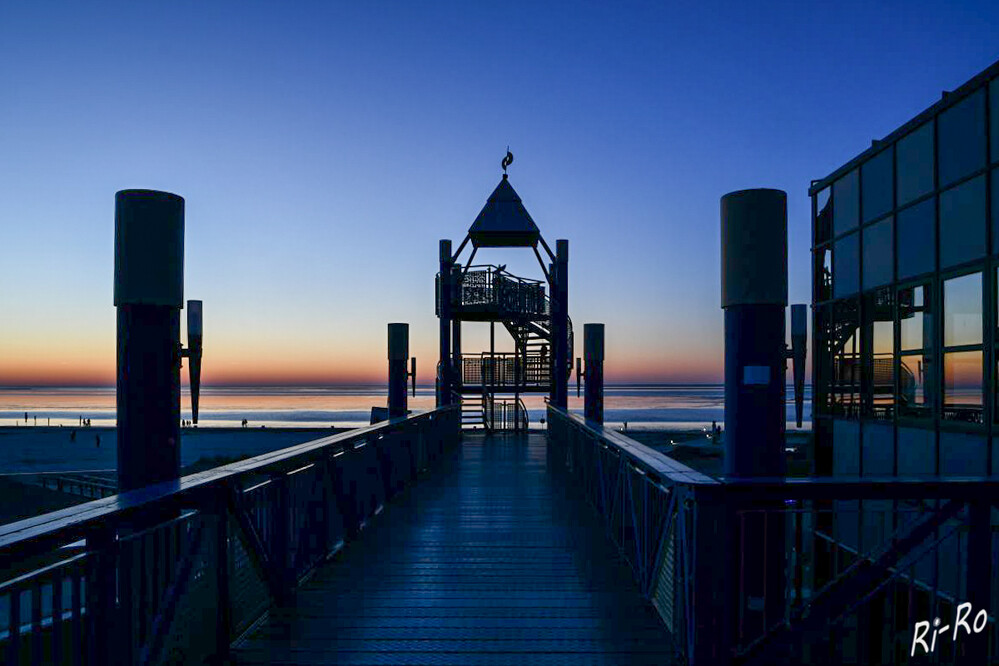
(506, 370)
(173, 573)
(488, 289)
(853, 563)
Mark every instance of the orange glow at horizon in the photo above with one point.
(41, 363)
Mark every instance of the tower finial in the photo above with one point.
(507, 161)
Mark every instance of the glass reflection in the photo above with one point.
(846, 202)
(846, 266)
(915, 322)
(915, 394)
(844, 342)
(963, 386)
(880, 364)
(963, 310)
(823, 215)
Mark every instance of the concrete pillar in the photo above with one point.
(560, 325)
(593, 353)
(398, 357)
(754, 297)
(148, 292)
(444, 382)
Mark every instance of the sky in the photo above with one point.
(323, 149)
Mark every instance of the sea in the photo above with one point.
(640, 406)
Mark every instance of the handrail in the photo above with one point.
(525, 416)
(170, 550)
(638, 454)
(703, 549)
(72, 522)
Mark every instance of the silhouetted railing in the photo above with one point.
(506, 414)
(486, 289)
(505, 370)
(816, 570)
(173, 573)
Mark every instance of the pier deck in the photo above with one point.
(487, 561)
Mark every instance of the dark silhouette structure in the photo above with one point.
(488, 384)
(149, 292)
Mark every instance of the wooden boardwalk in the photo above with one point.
(486, 561)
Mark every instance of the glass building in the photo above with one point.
(905, 250)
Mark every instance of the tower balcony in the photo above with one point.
(489, 293)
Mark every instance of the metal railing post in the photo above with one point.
(105, 639)
(223, 620)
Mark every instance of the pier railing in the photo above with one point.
(817, 570)
(174, 573)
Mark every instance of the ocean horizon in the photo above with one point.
(679, 406)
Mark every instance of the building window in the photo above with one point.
(917, 239)
(995, 207)
(914, 155)
(846, 266)
(844, 352)
(879, 257)
(962, 360)
(846, 203)
(961, 132)
(877, 176)
(963, 386)
(825, 334)
(995, 411)
(963, 310)
(994, 119)
(823, 274)
(879, 355)
(915, 394)
(823, 215)
(962, 223)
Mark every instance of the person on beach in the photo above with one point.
(72, 436)
(98, 441)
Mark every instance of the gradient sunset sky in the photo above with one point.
(324, 148)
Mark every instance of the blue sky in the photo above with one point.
(324, 148)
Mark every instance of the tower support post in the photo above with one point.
(148, 294)
(593, 353)
(560, 325)
(456, 369)
(445, 374)
(398, 356)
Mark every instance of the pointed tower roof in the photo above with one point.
(504, 222)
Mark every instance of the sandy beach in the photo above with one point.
(34, 449)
